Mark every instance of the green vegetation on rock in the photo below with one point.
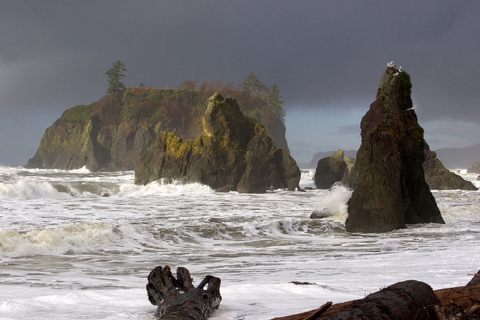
(114, 74)
(78, 114)
(111, 133)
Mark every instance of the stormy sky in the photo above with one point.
(326, 57)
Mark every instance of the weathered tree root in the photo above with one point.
(177, 298)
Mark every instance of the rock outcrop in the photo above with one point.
(335, 168)
(323, 154)
(330, 170)
(112, 133)
(350, 176)
(98, 140)
(440, 178)
(475, 168)
(233, 152)
(391, 190)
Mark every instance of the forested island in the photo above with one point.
(111, 134)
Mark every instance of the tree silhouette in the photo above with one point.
(274, 101)
(252, 84)
(114, 74)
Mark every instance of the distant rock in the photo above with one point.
(391, 190)
(323, 154)
(459, 158)
(440, 178)
(475, 168)
(321, 214)
(334, 169)
(233, 152)
(330, 170)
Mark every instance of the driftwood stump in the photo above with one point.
(404, 300)
(177, 298)
(401, 300)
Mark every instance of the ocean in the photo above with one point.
(79, 245)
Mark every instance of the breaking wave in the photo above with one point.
(57, 240)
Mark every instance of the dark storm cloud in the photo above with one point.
(322, 54)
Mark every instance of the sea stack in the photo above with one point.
(391, 189)
(233, 153)
(330, 170)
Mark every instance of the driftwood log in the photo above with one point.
(458, 303)
(177, 298)
(404, 300)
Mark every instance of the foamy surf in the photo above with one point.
(81, 244)
(58, 240)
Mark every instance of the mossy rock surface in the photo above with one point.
(233, 152)
(112, 133)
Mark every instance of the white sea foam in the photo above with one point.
(335, 202)
(28, 189)
(82, 244)
(58, 240)
(173, 188)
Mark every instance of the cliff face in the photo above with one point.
(93, 136)
(93, 144)
(112, 133)
(233, 152)
(391, 190)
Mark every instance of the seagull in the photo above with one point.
(400, 69)
(411, 108)
(391, 64)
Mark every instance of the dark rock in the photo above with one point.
(391, 190)
(233, 152)
(94, 144)
(475, 168)
(323, 154)
(440, 178)
(223, 189)
(330, 170)
(334, 169)
(320, 214)
(112, 133)
(475, 280)
(350, 176)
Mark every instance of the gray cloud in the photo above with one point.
(53, 54)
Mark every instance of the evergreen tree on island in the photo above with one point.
(274, 101)
(252, 84)
(114, 74)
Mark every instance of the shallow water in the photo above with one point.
(80, 244)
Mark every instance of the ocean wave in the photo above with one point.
(58, 240)
(334, 202)
(25, 189)
(164, 187)
(28, 189)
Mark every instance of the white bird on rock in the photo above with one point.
(411, 108)
(391, 64)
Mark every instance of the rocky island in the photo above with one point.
(391, 190)
(233, 152)
(112, 133)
